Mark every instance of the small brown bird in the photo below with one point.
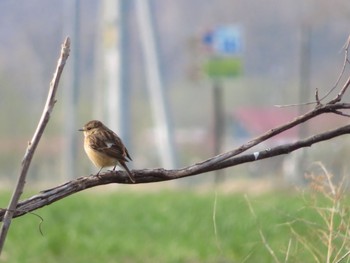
(104, 148)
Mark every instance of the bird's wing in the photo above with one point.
(115, 150)
(111, 145)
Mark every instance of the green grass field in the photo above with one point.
(172, 226)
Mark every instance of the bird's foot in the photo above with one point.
(98, 175)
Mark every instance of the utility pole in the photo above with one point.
(112, 79)
(165, 143)
(70, 93)
(304, 91)
(110, 92)
(219, 124)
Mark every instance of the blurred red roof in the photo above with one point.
(257, 121)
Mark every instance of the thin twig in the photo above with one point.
(34, 143)
(317, 98)
(345, 238)
(288, 250)
(338, 98)
(294, 104)
(262, 236)
(267, 246)
(308, 246)
(343, 257)
(342, 92)
(329, 179)
(330, 233)
(341, 113)
(333, 232)
(214, 223)
(346, 61)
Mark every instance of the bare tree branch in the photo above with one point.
(50, 102)
(342, 92)
(226, 160)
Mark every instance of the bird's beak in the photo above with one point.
(81, 129)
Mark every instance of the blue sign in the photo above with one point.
(225, 40)
(228, 41)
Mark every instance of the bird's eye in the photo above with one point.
(88, 128)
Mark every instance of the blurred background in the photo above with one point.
(179, 81)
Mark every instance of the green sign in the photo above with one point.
(223, 67)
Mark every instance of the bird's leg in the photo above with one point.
(113, 169)
(98, 173)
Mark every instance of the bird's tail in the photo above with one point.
(132, 178)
